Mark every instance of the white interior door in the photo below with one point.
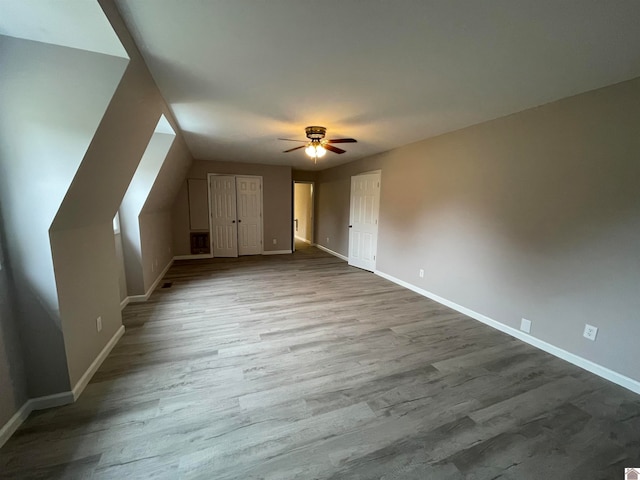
(249, 198)
(223, 216)
(363, 220)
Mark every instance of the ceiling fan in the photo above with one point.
(316, 147)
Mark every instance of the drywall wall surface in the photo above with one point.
(115, 152)
(48, 118)
(122, 275)
(156, 241)
(277, 202)
(120, 142)
(180, 225)
(198, 210)
(332, 214)
(534, 215)
(53, 99)
(304, 175)
(131, 208)
(302, 206)
(84, 298)
(80, 25)
(170, 177)
(13, 380)
(96, 194)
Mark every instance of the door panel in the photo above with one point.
(223, 216)
(249, 198)
(363, 220)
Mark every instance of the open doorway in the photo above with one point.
(302, 214)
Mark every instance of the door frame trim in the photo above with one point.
(235, 175)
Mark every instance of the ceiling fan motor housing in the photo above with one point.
(315, 132)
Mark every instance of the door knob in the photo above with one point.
(239, 221)
(233, 221)
(350, 226)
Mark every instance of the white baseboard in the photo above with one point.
(38, 403)
(50, 401)
(137, 298)
(276, 252)
(95, 365)
(58, 399)
(335, 254)
(145, 297)
(193, 257)
(581, 362)
(159, 279)
(124, 303)
(14, 423)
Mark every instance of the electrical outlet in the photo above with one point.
(421, 273)
(327, 239)
(525, 325)
(590, 332)
(99, 324)
(275, 241)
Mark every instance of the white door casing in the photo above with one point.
(249, 207)
(363, 220)
(223, 216)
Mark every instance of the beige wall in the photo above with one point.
(180, 228)
(304, 175)
(13, 381)
(332, 207)
(74, 129)
(93, 199)
(303, 210)
(156, 234)
(48, 117)
(83, 298)
(156, 241)
(122, 275)
(534, 215)
(137, 267)
(277, 208)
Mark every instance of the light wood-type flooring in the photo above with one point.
(301, 367)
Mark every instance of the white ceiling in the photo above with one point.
(239, 74)
(69, 23)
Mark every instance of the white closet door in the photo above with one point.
(223, 216)
(249, 198)
(363, 221)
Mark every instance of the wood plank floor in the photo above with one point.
(301, 367)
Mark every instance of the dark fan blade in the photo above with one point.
(342, 140)
(292, 149)
(333, 149)
(292, 140)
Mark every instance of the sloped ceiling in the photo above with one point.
(70, 23)
(240, 74)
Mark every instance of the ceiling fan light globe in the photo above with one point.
(320, 151)
(311, 151)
